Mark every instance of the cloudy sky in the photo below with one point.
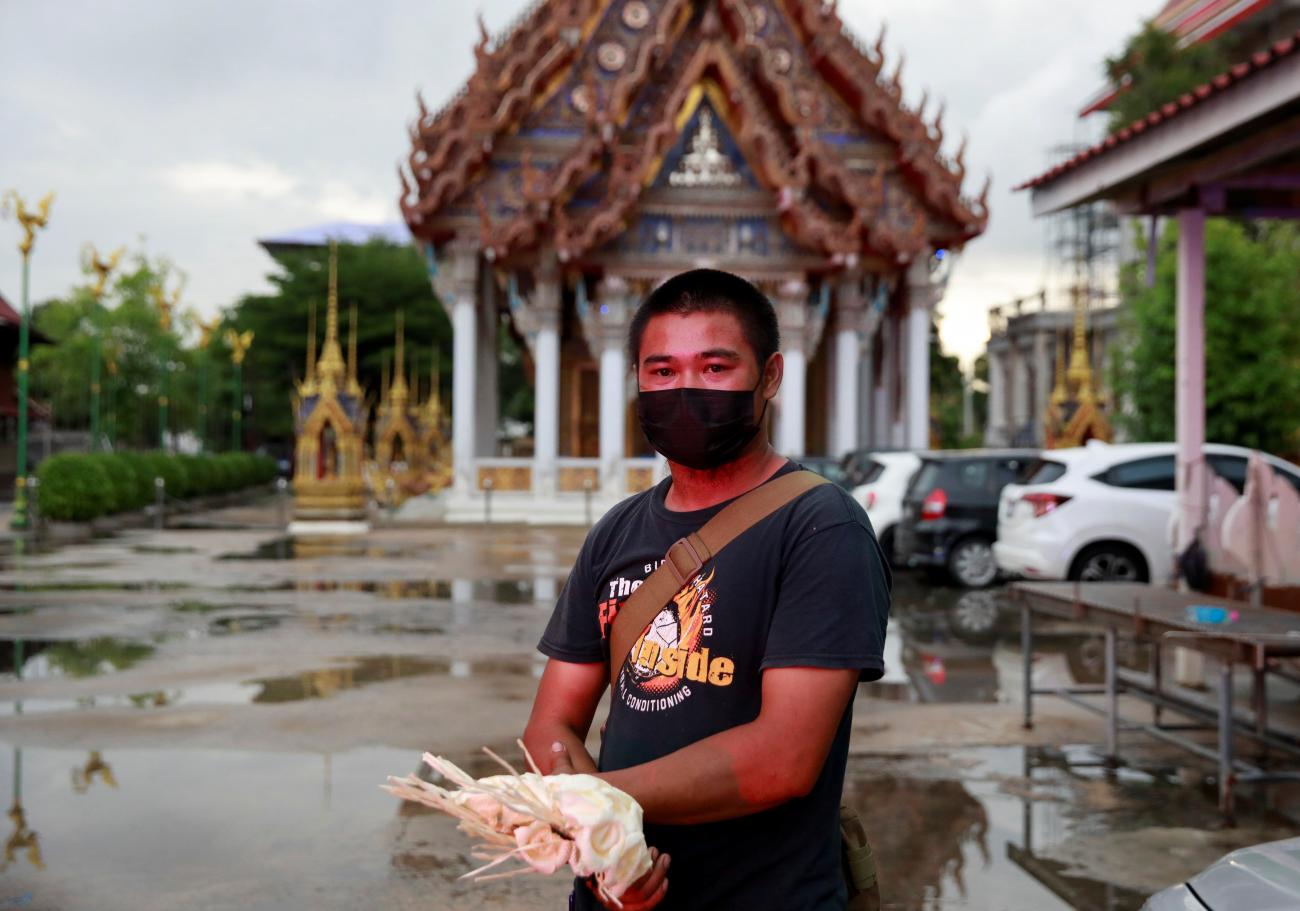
(189, 129)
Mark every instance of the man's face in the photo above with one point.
(703, 350)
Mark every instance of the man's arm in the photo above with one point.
(774, 758)
(566, 702)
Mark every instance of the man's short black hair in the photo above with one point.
(711, 291)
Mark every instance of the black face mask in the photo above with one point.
(699, 428)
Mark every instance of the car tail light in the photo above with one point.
(935, 504)
(871, 499)
(934, 669)
(1043, 503)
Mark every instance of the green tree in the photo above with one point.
(1154, 70)
(1252, 338)
(133, 348)
(947, 385)
(381, 279)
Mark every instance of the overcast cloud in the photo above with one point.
(192, 128)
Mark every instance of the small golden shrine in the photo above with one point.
(1075, 413)
(330, 417)
(397, 449)
(410, 447)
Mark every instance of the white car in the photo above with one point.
(1261, 878)
(884, 481)
(1101, 512)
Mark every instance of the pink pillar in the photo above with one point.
(1189, 395)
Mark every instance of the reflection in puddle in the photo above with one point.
(323, 683)
(36, 659)
(498, 591)
(300, 548)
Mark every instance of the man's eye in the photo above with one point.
(714, 368)
(663, 371)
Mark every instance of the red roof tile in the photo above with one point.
(1258, 61)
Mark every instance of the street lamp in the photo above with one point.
(93, 262)
(239, 343)
(30, 222)
(165, 304)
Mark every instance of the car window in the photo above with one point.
(973, 475)
(1009, 470)
(871, 472)
(925, 480)
(1231, 468)
(1043, 471)
(1155, 473)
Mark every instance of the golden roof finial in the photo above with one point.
(1080, 374)
(28, 220)
(398, 392)
(331, 370)
(311, 345)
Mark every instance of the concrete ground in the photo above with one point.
(201, 717)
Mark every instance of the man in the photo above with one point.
(732, 730)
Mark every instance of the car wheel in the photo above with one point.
(970, 563)
(1109, 562)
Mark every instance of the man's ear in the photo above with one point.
(773, 370)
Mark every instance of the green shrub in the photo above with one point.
(122, 490)
(142, 473)
(73, 487)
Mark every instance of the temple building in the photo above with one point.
(1031, 354)
(602, 146)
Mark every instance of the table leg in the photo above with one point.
(1157, 681)
(1225, 740)
(1259, 700)
(1112, 697)
(1027, 650)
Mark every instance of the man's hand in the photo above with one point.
(646, 892)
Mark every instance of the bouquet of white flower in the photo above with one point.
(546, 821)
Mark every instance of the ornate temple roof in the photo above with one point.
(587, 108)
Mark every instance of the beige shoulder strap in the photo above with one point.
(685, 558)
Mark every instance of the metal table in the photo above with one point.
(1259, 637)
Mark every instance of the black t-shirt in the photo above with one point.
(805, 587)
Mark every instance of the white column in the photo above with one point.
(487, 395)
(800, 330)
(456, 284)
(538, 320)
(867, 394)
(920, 301)
(1043, 379)
(1019, 391)
(849, 305)
(885, 392)
(1189, 397)
(995, 426)
(605, 328)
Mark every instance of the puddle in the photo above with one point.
(92, 586)
(42, 659)
(299, 548)
(323, 683)
(163, 549)
(215, 829)
(498, 591)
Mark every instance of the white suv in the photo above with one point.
(1101, 512)
(884, 480)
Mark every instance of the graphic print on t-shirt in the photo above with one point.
(673, 653)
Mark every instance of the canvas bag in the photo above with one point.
(684, 559)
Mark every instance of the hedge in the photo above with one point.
(82, 486)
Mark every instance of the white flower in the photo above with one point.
(543, 848)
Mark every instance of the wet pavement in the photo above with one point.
(200, 718)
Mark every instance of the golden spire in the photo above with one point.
(354, 388)
(383, 382)
(429, 411)
(311, 346)
(331, 368)
(398, 391)
(1080, 374)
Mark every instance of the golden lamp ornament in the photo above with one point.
(91, 261)
(239, 343)
(28, 219)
